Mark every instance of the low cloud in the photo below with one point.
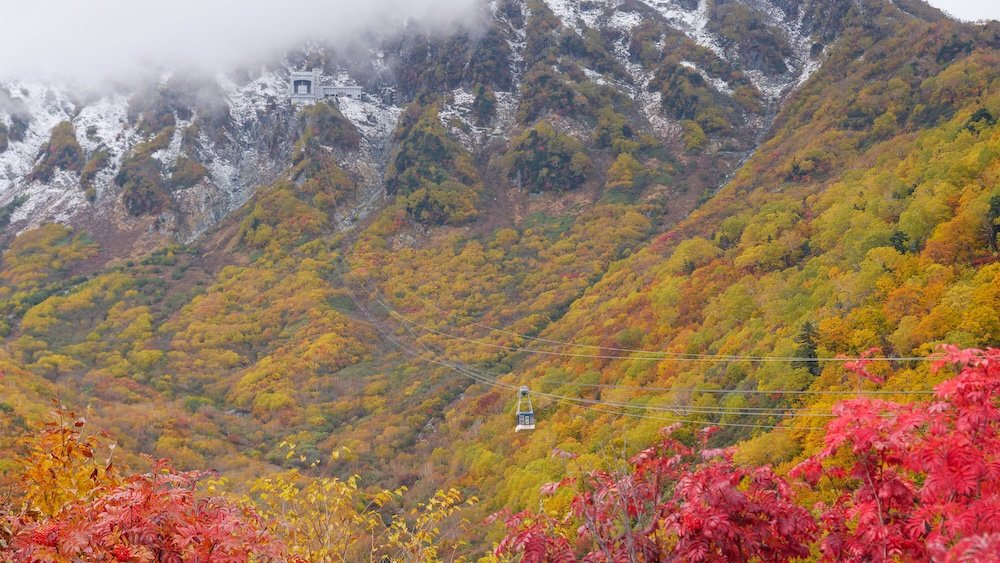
(113, 39)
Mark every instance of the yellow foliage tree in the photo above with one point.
(623, 171)
(61, 465)
(329, 519)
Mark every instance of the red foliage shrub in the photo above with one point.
(667, 505)
(923, 480)
(154, 517)
(916, 482)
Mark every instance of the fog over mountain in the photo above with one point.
(104, 39)
(969, 10)
(396, 274)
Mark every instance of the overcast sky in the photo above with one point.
(92, 39)
(970, 10)
(97, 39)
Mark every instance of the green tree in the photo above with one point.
(806, 340)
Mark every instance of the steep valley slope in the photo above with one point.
(611, 202)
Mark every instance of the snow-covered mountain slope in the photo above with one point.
(699, 23)
(247, 148)
(238, 128)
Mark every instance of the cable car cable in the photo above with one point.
(744, 391)
(595, 405)
(571, 401)
(663, 353)
(406, 320)
(706, 358)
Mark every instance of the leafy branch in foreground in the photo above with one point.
(330, 519)
(918, 481)
(672, 501)
(76, 508)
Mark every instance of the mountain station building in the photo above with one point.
(306, 86)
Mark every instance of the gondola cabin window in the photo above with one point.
(525, 413)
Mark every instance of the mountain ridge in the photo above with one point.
(117, 123)
(578, 224)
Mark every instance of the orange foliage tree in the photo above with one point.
(75, 507)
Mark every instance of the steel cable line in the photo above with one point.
(571, 401)
(581, 402)
(663, 353)
(388, 334)
(565, 343)
(861, 392)
(712, 359)
(693, 408)
(674, 409)
(395, 313)
(492, 382)
(596, 405)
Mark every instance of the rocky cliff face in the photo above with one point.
(163, 162)
(505, 201)
(168, 160)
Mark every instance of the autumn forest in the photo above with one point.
(754, 323)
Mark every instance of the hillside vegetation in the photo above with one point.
(632, 279)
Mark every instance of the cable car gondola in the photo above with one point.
(525, 416)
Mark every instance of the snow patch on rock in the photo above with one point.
(458, 118)
(717, 83)
(693, 23)
(650, 103)
(567, 11)
(624, 20)
(376, 121)
(169, 155)
(104, 124)
(573, 12)
(58, 200)
(46, 107)
(248, 102)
